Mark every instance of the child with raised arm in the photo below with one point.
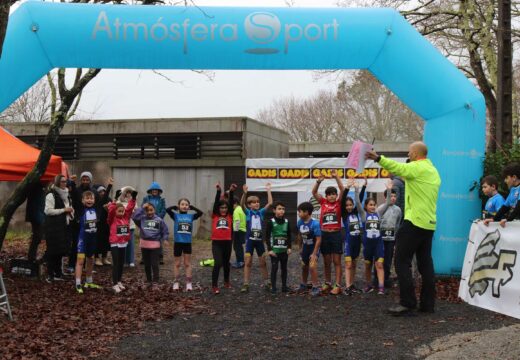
(391, 217)
(309, 237)
(88, 222)
(183, 232)
(331, 239)
(278, 241)
(222, 237)
(152, 232)
(254, 226)
(373, 250)
(119, 217)
(353, 235)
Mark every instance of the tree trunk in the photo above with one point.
(4, 19)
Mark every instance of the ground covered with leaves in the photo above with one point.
(52, 321)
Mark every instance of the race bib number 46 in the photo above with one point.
(330, 218)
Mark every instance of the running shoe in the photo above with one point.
(273, 290)
(315, 291)
(79, 289)
(325, 288)
(348, 291)
(355, 289)
(285, 289)
(302, 289)
(368, 289)
(336, 290)
(132, 265)
(215, 290)
(189, 287)
(98, 262)
(155, 287)
(58, 278)
(92, 286)
(120, 284)
(116, 289)
(176, 286)
(244, 288)
(267, 285)
(227, 285)
(381, 290)
(106, 261)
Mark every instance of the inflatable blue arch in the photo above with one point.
(42, 36)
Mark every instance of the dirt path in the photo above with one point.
(260, 325)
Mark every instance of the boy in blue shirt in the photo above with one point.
(86, 241)
(495, 201)
(509, 211)
(254, 236)
(182, 230)
(309, 237)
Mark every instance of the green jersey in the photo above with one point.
(279, 236)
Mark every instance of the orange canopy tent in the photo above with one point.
(18, 158)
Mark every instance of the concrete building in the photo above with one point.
(186, 156)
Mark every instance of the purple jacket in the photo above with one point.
(150, 228)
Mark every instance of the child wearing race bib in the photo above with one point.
(309, 237)
(495, 201)
(331, 240)
(182, 230)
(118, 219)
(222, 237)
(353, 235)
(153, 231)
(390, 220)
(86, 241)
(278, 240)
(373, 250)
(254, 239)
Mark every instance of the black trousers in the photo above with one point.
(151, 263)
(54, 265)
(73, 249)
(37, 233)
(412, 240)
(118, 261)
(221, 254)
(239, 239)
(282, 259)
(389, 256)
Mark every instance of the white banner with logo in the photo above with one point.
(299, 175)
(491, 276)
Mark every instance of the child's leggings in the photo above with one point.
(221, 254)
(118, 261)
(282, 259)
(151, 263)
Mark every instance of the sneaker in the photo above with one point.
(176, 286)
(116, 288)
(348, 291)
(155, 287)
(68, 271)
(240, 265)
(215, 290)
(285, 289)
(92, 286)
(235, 265)
(132, 265)
(48, 279)
(315, 291)
(58, 278)
(244, 288)
(368, 289)
(189, 287)
(121, 286)
(336, 290)
(273, 290)
(106, 261)
(302, 289)
(227, 285)
(267, 285)
(325, 288)
(79, 289)
(355, 289)
(381, 290)
(98, 262)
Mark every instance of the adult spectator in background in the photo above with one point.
(422, 182)
(399, 190)
(35, 214)
(59, 215)
(103, 231)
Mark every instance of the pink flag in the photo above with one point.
(356, 156)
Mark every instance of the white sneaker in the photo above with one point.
(189, 287)
(132, 265)
(176, 286)
(116, 288)
(120, 285)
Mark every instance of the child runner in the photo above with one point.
(373, 250)
(509, 211)
(159, 203)
(222, 237)
(309, 237)
(183, 230)
(86, 241)
(153, 231)
(331, 239)
(278, 240)
(239, 233)
(124, 198)
(103, 245)
(495, 201)
(255, 220)
(391, 216)
(353, 230)
(119, 218)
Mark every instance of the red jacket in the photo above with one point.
(330, 217)
(120, 226)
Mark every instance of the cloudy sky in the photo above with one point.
(120, 94)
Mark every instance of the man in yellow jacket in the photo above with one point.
(414, 237)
